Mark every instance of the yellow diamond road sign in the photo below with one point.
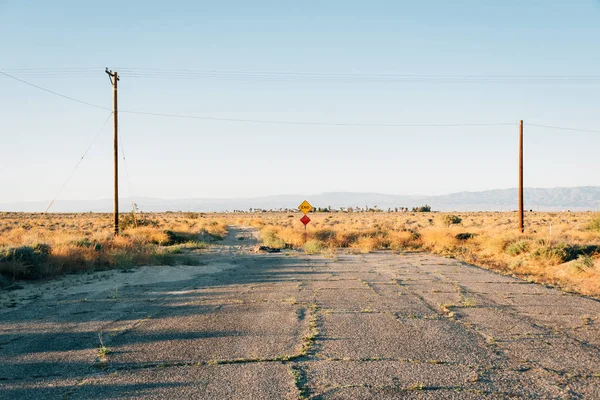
(305, 207)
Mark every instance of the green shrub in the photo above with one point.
(324, 235)
(42, 248)
(583, 263)
(414, 235)
(465, 236)
(312, 247)
(595, 224)
(451, 219)
(516, 248)
(179, 237)
(24, 262)
(131, 220)
(85, 242)
(270, 239)
(560, 252)
(178, 248)
(124, 259)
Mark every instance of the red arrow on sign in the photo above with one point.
(305, 220)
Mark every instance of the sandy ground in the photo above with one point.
(240, 239)
(97, 282)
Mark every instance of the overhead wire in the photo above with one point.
(280, 122)
(360, 125)
(332, 77)
(78, 163)
(285, 76)
(274, 76)
(127, 174)
(564, 128)
(55, 93)
(260, 121)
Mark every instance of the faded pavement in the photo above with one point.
(289, 326)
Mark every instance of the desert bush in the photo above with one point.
(270, 239)
(465, 236)
(216, 229)
(366, 244)
(147, 235)
(450, 219)
(324, 235)
(123, 259)
(24, 262)
(85, 242)
(312, 247)
(583, 263)
(179, 237)
(518, 247)
(594, 224)
(42, 248)
(439, 240)
(555, 253)
(131, 220)
(346, 238)
(403, 240)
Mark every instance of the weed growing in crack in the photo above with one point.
(103, 351)
(416, 386)
(299, 377)
(446, 309)
(309, 340)
(435, 362)
(468, 303)
(290, 300)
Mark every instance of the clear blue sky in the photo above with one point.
(43, 136)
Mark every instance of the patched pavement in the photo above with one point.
(289, 326)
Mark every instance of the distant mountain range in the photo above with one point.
(553, 199)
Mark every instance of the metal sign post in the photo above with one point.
(305, 207)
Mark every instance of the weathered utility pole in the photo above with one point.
(521, 205)
(114, 79)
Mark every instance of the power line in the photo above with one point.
(251, 120)
(365, 125)
(125, 163)
(351, 74)
(564, 128)
(156, 71)
(379, 78)
(283, 76)
(278, 122)
(54, 93)
(78, 163)
(53, 69)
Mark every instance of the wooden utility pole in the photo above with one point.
(521, 205)
(114, 79)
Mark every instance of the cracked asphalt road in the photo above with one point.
(289, 326)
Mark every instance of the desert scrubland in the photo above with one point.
(560, 248)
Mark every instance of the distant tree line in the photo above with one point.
(329, 209)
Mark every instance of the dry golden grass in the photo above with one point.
(549, 252)
(35, 246)
(567, 254)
